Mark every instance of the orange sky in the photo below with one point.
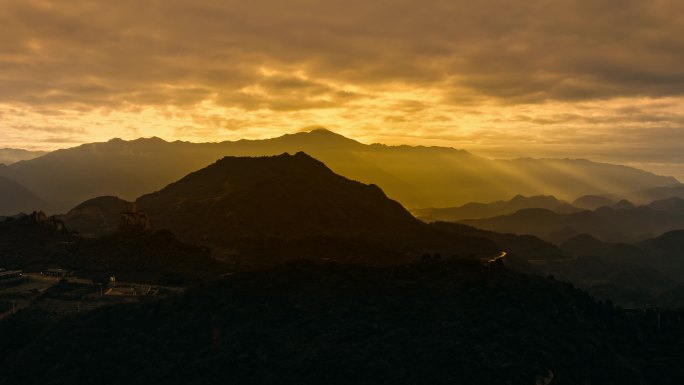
(501, 78)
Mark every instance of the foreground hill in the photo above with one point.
(285, 196)
(415, 176)
(35, 242)
(96, 217)
(270, 209)
(425, 323)
(15, 198)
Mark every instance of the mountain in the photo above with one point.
(592, 202)
(674, 205)
(266, 209)
(542, 223)
(476, 210)
(13, 155)
(642, 274)
(96, 217)
(666, 252)
(585, 245)
(285, 196)
(303, 323)
(415, 176)
(527, 247)
(15, 198)
(623, 204)
(657, 193)
(623, 222)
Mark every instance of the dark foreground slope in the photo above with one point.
(425, 323)
(35, 242)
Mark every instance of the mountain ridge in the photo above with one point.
(416, 176)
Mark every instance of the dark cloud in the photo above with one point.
(514, 51)
(557, 73)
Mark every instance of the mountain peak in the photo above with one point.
(278, 197)
(623, 205)
(321, 137)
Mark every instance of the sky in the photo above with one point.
(598, 79)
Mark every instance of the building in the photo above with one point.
(7, 276)
(56, 273)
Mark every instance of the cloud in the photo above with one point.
(514, 52)
(486, 74)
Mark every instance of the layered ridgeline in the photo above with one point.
(260, 211)
(636, 275)
(620, 222)
(13, 155)
(415, 176)
(478, 210)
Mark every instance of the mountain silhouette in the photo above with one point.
(13, 155)
(622, 222)
(592, 202)
(96, 217)
(476, 210)
(416, 176)
(585, 245)
(15, 198)
(666, 252)
(623, 204)
(261, 210)
(286, 202)
(657, 193)
(285, 196)
(674, 205)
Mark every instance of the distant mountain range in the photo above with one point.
(620, 222)
(13, 155)
(477, 210)
(648, 273)
(415, 176)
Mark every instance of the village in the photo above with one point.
(56, 292)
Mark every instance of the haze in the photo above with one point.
(576, 78)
